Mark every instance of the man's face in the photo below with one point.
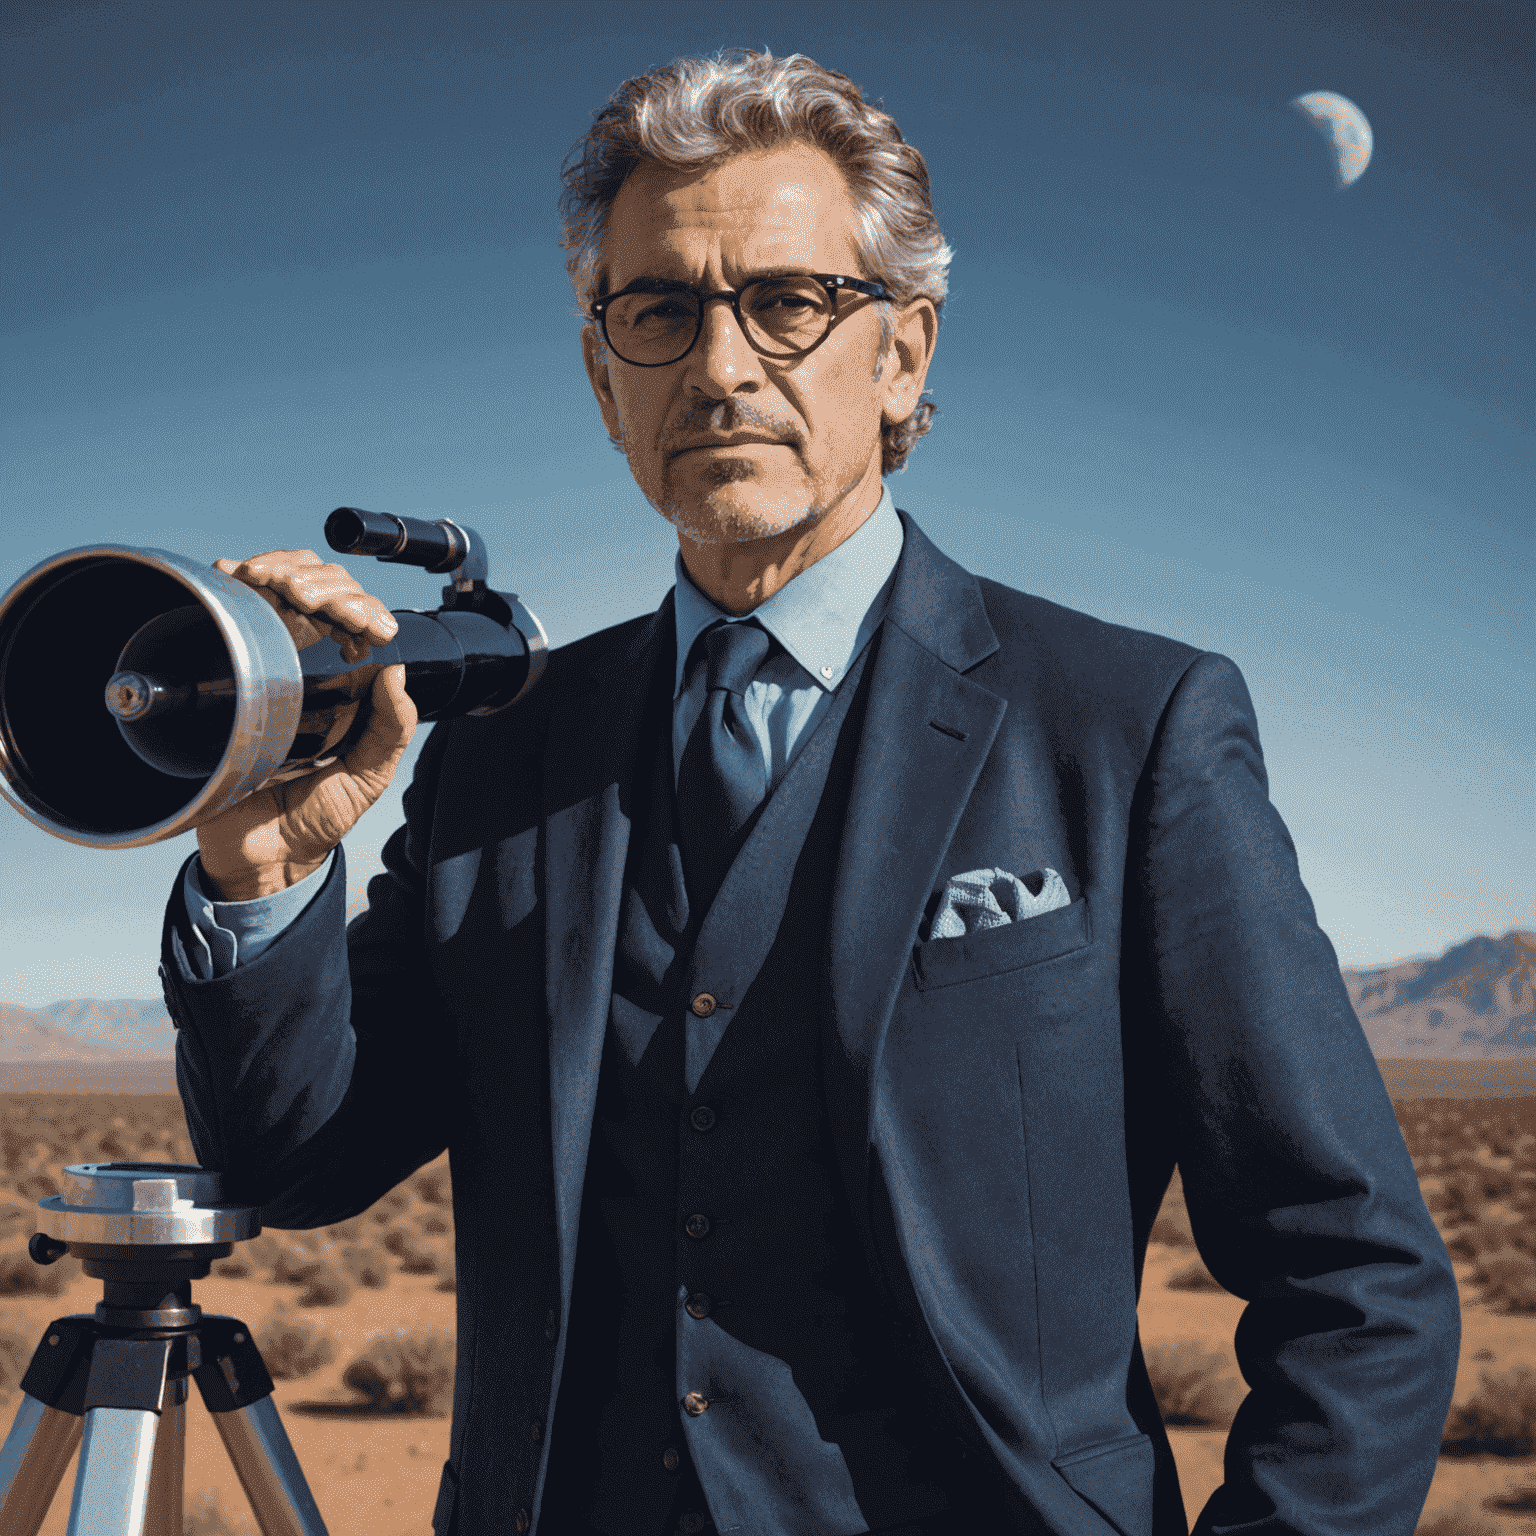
(804, 434)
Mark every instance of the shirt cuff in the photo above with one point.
(226, 934)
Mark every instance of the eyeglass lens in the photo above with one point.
(783, 316)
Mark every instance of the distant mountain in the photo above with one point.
(128, 1029)
(1478, 1000)
(125, 1024)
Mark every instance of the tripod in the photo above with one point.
(115, 1382)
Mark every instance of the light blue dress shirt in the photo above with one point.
(823, 618)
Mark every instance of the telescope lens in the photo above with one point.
(132, 697)
(129, 695)
(174, 675)
(66, 754)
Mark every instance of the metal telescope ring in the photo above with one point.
(263, 661)
(137, 1204)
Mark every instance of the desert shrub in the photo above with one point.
(1517, 1499)
(113, 1146)
(325, 1286)
(294, 1347)
(42, 1132)
(448, 1275)
(1195, 1277)
(296, 1259)
(33, 1187)
(406, 1370)
(434, 1223)
(270, 1254)
(1172, 1228)
(433, 1186)
(1479, 1238)
(414, 1258)
(16, 1348)
(205, 1517)
(366, 1265)
(288, 1258)
(1193, 1385)
(19, 1276)
(1499, 1419)
(349, 1231)
(1460, 1520)
(1460, 1198)
(1508, 1282)
(388, 1207)
(1497, 1183)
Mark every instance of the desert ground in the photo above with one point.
(359, 1319)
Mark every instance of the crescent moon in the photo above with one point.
(1345, 127)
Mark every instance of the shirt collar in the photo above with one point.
(823, 616)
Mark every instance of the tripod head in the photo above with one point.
(146, 1230)
(116, 1384)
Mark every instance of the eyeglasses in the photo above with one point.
(655, 321)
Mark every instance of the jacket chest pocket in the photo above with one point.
(996, 951)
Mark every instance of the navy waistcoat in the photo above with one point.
(717, 1264)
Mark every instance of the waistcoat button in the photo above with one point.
(535, 1431)
(694, 1404)
(703, 1118)
(670, 1459)
(703, 1005)
(697, 1226)
(522, 1521)
(697, 1305)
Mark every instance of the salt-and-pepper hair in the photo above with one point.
(694, 114)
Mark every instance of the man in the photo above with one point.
(817, 981)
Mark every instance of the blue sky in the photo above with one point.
(262, 260)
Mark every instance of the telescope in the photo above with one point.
(142, 693)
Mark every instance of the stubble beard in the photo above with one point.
(734, 510)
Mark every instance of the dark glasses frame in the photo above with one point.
(834, 283)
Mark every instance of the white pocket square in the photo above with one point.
(991, 898)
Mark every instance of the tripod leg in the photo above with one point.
(112, 1485)
(32, 1464)
(268, 1470)
(164, 1515)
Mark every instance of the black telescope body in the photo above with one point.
(142, 693)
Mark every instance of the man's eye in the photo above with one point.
(665, 309)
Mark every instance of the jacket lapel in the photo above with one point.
(588, 771)
(926, 733)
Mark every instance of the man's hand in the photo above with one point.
(274, 838)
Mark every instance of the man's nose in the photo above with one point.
(722, 354)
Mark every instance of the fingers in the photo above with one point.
(391, 725)
(324, 596)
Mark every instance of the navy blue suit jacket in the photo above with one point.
(1007, 1108)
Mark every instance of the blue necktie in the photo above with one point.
(722, 778)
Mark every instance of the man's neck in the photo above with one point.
(741, 577)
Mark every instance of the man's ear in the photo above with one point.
(595, 355)
(913, 338)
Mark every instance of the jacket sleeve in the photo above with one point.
(1301, 1193)
(317, 1076)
